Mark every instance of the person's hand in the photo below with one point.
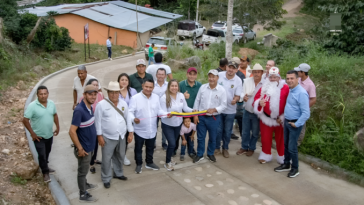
(187, 95)
(292, 124)
(262, 103)
(36, 138)
(194, 110)
(169, 115)
(184, 142)
(74, 105)
(130, 137)
(211, 111)
(233, 102)
(82, 153)
(101, 140)
(55, 133)
(192, 138)
(136, 120)
(246, 98)
(279, 121)
(195, 120)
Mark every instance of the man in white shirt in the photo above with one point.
(108, 45)
(210, 97)
(250, 120)
(152, 69)
(233, 87)
(79, 84)
(160, 88)
(111, 126)
(144, 108)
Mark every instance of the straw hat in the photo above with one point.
(113, 86)
(257, 66)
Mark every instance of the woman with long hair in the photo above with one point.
(126, 92)
(172, 100)
(99, 97)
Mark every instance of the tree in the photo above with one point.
(229, 31)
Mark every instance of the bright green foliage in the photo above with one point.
(18, 180)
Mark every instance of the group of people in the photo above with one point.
(259, 100)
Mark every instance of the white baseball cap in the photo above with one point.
(303, 67)
(213, 72)
(140, 62)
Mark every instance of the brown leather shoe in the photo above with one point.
(241, 151)
(225, 153)
(249, 153)
(217, 152)
(46, 178)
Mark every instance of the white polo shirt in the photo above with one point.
(177, 105)
(152, 69)
(210, 98)
(160, 90)
(232, 87)
(79, 88)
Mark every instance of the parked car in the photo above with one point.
(161, 45)
(244, 33)
(188, 28)
(216, 36)
(222, 25)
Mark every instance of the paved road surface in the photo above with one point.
(236, 180)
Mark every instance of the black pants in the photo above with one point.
(43, 147)
(138, 150)
(109, 52)
(94, 156)
(239, 119)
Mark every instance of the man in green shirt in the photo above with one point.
(137, 79)
(190, 86)
(42, 114)
(151, 54)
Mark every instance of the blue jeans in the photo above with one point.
(250, 124)
(190, 145)
(109, 52)
(211, 125)
(291, 135)
(172, 134)
(224, 131)
(151, 59)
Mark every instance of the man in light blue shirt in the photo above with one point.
(108, 45)
(296, 113)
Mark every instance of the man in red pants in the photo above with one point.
(269, 103)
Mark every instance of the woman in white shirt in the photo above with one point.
(175, 101)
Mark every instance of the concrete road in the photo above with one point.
(235, 180)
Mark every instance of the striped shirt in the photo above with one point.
(84, 119)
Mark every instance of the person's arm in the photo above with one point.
(56, 121)
(163, 104)
(305, 110)
(193, 135)
(237, 93)
(235, 99)
(185, 106)
(242, 95)
(223, 102)
(161, 112)
(98, 115)
(131, 117)
(170, 76)
(196, 106)
(76, 142)
(312, 101)
(29, 128)
(74, 99)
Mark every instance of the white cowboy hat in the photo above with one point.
(113, 86)
(257, 66)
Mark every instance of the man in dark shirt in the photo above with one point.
(222, 66)
(137, 79)
(83, 136)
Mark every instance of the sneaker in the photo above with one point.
(241, 151)
(93, 170)
(182, 158)
(225, 153)
(87, 198)
(211, 158)
(293, 173)
(107, 185)
(173, 162)
(90, 187)
(217, 152)
(126, 161)
(283, 168)
(46, 178)
(152, 166)
(193, 155)
(197, 159)
(250, 153)
(138, 169)
(51, 170)
(234, 137)
(169, 166)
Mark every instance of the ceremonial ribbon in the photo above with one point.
(183, 114)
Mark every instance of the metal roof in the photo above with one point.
(108, 14)
(146, 10)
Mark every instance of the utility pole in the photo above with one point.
(198, 1)
(229, 31)
(136, 11)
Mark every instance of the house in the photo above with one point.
(117, 19)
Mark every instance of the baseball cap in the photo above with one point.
(274, 71)
(236, 60)
(213, 72)
(245, 58)
(232, 63)
(303, 67)
(89, 89)
(140, 62)
(191, 69)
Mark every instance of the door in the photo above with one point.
(200, 29)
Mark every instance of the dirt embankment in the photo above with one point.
(16, 160)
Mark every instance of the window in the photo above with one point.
(157, 41)
(218, 24)
(199, 25)
(237, 31)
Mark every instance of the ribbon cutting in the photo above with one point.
(184, 114)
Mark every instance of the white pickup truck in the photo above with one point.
(216, 36)
(188, 28)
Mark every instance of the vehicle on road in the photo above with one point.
(189, 28)
(161, 45)
(244, 34)
(216, 36)
(222, 25)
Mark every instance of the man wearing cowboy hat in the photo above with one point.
(250, 120)
(269, 103)
(111, 126)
